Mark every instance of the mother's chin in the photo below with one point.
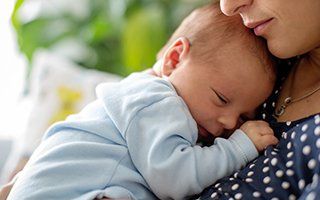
(280, 51)
(284, 49)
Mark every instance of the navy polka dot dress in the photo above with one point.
(289, 170)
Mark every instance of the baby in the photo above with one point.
(138, 139)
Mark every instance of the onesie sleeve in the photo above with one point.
(71, 163)
(161, 140)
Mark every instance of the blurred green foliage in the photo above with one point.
(117, 36)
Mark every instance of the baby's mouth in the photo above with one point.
(204, 136)
(203, 132)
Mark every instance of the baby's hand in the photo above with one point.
(259, 133)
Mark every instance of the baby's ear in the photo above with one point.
(174, 55)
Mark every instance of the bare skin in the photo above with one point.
(291, 28)
(5, 190)
(307, 79)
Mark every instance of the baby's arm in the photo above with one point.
(70, 164)
(161, 140)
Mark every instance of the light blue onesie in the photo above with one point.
(137, 140)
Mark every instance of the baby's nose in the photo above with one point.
(229, 122)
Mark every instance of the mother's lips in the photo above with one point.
(258, 26)
(256, 23)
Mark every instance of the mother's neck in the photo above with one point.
(308, 71)
(301, 81)
(314, 58)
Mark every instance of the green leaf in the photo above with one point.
(143, 36)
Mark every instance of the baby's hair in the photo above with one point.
(208, 30)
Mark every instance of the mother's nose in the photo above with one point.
(233, 7)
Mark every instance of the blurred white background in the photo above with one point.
(12, 75)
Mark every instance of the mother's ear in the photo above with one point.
(174, 55)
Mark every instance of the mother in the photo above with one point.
(290, 170)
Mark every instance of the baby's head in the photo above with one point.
(219, 68)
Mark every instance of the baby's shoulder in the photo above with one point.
(122, 101)
(137, 86)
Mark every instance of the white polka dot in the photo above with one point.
(250, 173)
(276, 92)
(231, 178)
(289, 163)
(275, 198)
(279, 173)
(289, 145)
(292, 197)
(217, 185)
(306, 150)
(273, 153)
(318, 143)
(220, 189)
(303, 137)
(238, 196)
(285, 185)
(265, 169)
(288, 123)
(290, 154)
(312, 164)
(311, 196)
(263, 116)
(290, 172)
(266, 180)
(265, 105)
(273, 104)
(304, 127)
(301, 184)
(274, 161)
(266, 160)
(256, 194)
(235, 187)
(317, 131)
(230, 198)
(213, 195)
(235, 174)
(251, 166)
(293, 134)
(269, 189)
(284, 135)
(248, 180)
(317, 119)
